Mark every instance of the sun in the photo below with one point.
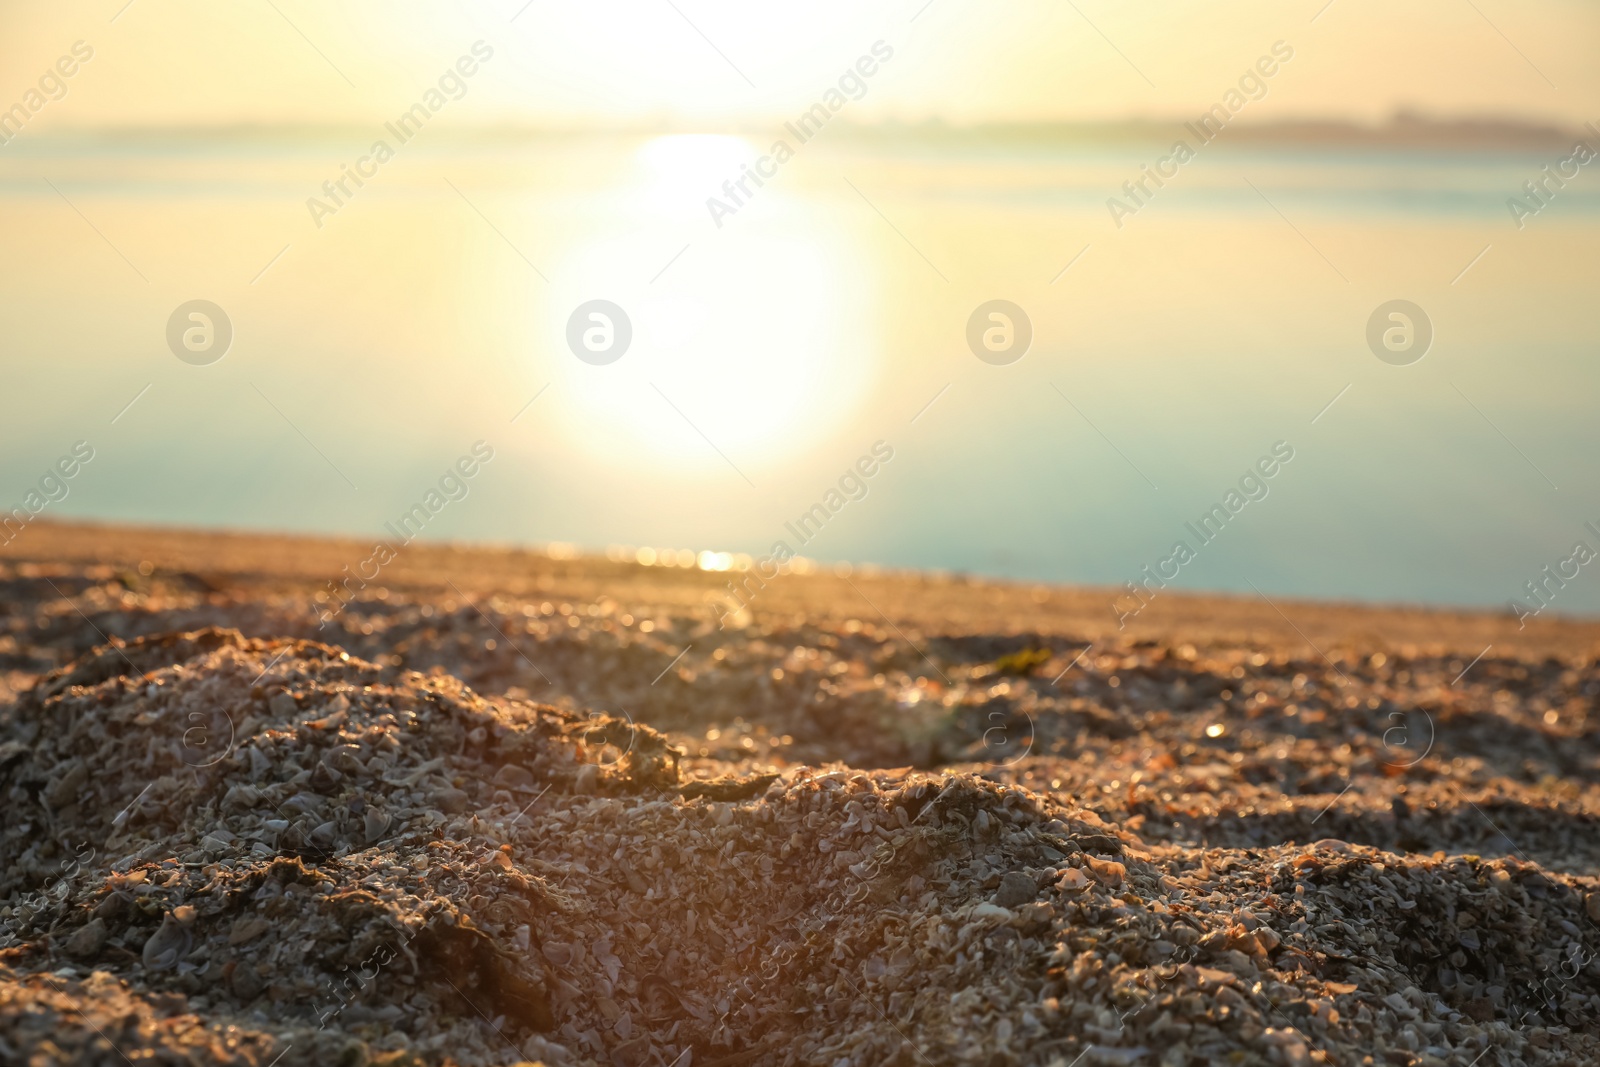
(751, 340)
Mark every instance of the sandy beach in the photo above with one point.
(507, 806)
(701, 534)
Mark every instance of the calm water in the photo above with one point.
(825, 314)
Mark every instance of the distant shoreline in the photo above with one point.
(252, 566)
(1403, 130)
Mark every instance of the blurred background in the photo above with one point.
(194, 152)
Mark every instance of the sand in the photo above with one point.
(505, 807)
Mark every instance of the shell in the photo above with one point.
(434, 870)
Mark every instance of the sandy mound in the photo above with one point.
(247, 851)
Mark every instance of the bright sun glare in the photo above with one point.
(752, 339)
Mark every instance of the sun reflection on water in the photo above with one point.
(755, 337)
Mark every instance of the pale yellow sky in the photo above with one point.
(708, 63)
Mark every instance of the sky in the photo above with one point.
(689, 64)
